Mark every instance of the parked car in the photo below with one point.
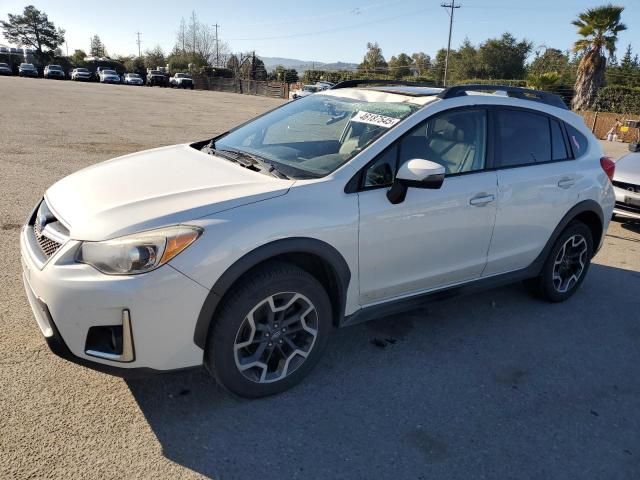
(81, 74)
(626, 184)
(305, 91)
(5, 69)
(244, 251)
(181, 80)
(53, 71)
(27, 70)
(109, 76)
(133, 79)
(156, 77)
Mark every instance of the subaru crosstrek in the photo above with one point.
(244, 251)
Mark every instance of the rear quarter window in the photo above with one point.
(578, 142)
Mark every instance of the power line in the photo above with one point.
(139, 42)
(452, 6)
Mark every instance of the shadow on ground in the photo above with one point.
(493, 385)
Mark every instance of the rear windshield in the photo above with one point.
(110, 72)
(55, 67)
(83, 70)
(3, 65)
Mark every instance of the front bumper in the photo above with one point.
(627, 203)
(68, 299)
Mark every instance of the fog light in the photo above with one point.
(112, 342)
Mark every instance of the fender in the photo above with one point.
(339, 271)
(586, 206)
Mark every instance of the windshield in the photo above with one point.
(156, 72)
(310, 88)
(109, 72)
(133, 75)
(313, 136)
(55, 67)
(81, 70)
(4, 65)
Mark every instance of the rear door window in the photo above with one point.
(524, 138)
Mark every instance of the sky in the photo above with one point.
(325, 31)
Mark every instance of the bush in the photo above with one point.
(618, 99)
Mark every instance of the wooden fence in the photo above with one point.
(236, 85)
(601, 122)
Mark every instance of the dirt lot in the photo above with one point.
(495, 385)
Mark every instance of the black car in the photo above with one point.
(27, 70)
(5, 69)
(156, 77)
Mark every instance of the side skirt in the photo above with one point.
(420, 300)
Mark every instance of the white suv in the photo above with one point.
(243, 252)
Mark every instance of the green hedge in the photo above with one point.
(618, 99)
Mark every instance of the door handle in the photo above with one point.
(566, 182)
(481, 200)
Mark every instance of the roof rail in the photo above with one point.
(355, 83)
(514, 92)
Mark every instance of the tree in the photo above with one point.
(438, 66)
(233, 64)
(78, 57)
(599, 28)
(154, 58)
(503, 57)
(400, 66)
(552, 60)
(421, 63)
(96, 47)
(373, 61)
(464, 62)
(134, 64)
(33, 29)
(196, 40)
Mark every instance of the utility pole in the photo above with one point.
(451, 6)
(217, 49)
(194, 28)
(139, 43)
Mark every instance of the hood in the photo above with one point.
(154, 188)
(628, 169)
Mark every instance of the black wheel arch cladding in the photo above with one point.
(317, 257)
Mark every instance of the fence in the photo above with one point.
(236, 85)
(601, 122)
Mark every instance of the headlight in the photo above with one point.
(138, 253)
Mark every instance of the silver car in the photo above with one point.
(626, 184)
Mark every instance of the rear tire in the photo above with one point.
(269, 332)
(566, 266)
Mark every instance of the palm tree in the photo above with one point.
(599, 28)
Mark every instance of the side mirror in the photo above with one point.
(417, 173)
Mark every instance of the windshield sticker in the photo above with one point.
(374, 119)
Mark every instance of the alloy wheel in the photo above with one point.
(276, 337)
(570, 263)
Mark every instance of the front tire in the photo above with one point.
(270, 332)
(567, 264)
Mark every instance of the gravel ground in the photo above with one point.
(495, 385)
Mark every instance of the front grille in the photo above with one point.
(48, 246)
(629, 187)
(43, 216)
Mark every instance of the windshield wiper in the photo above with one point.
(248, 160)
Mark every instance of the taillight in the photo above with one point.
(609, 166)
